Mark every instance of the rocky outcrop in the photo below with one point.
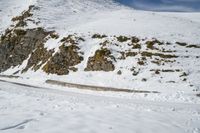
(100, 61)
(63, 61)
(38, 57)
(17, 44)
(67, 57)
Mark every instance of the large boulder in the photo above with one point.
(100, 61)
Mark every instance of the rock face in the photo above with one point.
(100, 62)
(17, 44)
(38, 58)
(63, 61)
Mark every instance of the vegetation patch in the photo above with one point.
(150, 45)
(167, 51)
(72, 39)
(122, 39)
(135, 39)
(157, 62)
(140, 62)
(105, 43)
(131, 54)
(98, 36)
(150, 54)
(137, 46)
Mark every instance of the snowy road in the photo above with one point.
(26, 109)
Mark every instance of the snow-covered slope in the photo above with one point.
(107, 16)
(10, 8)
(26, 109)
(170, 68)
(154, 56)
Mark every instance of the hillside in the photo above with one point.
(97, 66)
(101, 43)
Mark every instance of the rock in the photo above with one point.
(64, 60)
(135, 39)
(98, 36)
(38, 58)
(119, 72)
(100, 62)
(20, 44)
(54, 35)
(123, 38)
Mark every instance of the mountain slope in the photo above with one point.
(97, 66)
(102, 43)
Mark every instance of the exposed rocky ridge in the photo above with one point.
(66, 58)
(38, 57)
(19, 43)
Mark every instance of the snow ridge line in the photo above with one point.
(96, 88)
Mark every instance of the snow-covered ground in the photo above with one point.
(26, 109)
(10, 8)
(59, 109)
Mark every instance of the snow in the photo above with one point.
(24, 109)
(9, 9)
(53, 109)
(111, 18)
(84, 18)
